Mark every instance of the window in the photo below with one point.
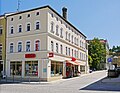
(66, 50)
(37, 45)
(57, 18)
(52, 15)
(19, 46)
(1, 30)
(72, 38)
(0, 48)
(69, 51)
(16, 68)
(72, 52)
(37, 25)
(20, 17)
(75, 40)
(69, 37)
(28, 15)
(37, 13)
(57, 30)
(80, 43)
(52, 46)
(20, 28)
(61, 32)
(61, 49)
(75, 53)
(56, 69)
(66, 35)
(11, 47)
(31, 68)
(28, 46)
(11, 19)
(11, 30)
(52, 28)
(28, 27)
(57, 47)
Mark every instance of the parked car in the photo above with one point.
(118, 70)
(90, 70)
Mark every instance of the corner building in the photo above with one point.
(43, 44)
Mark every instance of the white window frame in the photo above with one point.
(26, 46)
(35, 44)
(18, 46)
(10, 47)
(27, 26)
(36, 24)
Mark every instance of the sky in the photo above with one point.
(94, 18)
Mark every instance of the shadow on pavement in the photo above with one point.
(103, 86)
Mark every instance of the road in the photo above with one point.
(89, 83)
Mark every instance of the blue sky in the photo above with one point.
(95, 18)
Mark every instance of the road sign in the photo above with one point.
(109, 59)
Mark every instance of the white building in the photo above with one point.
(43, 44)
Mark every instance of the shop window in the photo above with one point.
(16, 68)
(28, 46)
(11, 47)
(31, 68)
(37, 25)
(19, 46)
(37, 45)
(56, 68)
(52, 46)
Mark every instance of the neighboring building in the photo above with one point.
(43, 44)
(2, 43)
(104, 64)
(116, 59)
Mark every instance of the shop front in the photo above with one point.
(72, 69)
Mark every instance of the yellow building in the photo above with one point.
(2, 43)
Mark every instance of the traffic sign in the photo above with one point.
(109, 59)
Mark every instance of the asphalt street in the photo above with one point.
(89, 83)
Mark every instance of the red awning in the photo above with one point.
(72, 62)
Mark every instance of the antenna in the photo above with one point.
(18, 6)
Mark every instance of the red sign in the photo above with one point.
(51, 54)
(73, 59)
(30, 55)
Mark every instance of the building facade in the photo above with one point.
(105, 64)
(42, 44)
(2, 43)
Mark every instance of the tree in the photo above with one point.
(97, 52)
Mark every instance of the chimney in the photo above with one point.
(64, 11)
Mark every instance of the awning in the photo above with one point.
(72, 62)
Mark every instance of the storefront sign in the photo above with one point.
(73, 59)
(30, 55)
(51, 54)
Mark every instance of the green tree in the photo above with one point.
(97, 52)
